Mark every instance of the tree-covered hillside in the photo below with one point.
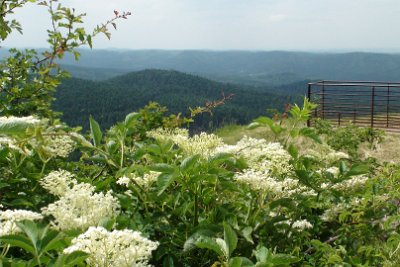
(109, 101)
(251, 67)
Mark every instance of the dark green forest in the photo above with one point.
(110, 100)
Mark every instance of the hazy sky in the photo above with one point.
(322, 25)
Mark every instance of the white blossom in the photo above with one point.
(203, 143)
(58, 182)
(261, 155)
(78, 206)
(54, 144)
(144, 181)
(12, 144)
(123, 181)
(302, 224)
(11, 119)
(124, 248)
(286, 187)
(353, 184)
(9, 218)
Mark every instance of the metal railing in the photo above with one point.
(373, 104)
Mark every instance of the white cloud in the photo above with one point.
(227, 24)
(277, 17)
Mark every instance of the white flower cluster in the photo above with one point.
(353, 184)
(59, 145)
(326, 154)
(335, 210)
(12, 144)
(299, 224)
(261, 155)
(302, 224)
(58, 182)
(55, 144)
(79, 206)
(123, 248)
(165, 135)
(12, 119)
(203, 143)
(9, 218)
(287, 187)
(145, 182)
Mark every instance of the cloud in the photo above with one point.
(277, 17)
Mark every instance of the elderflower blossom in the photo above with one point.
(147, 180)
(280, 188)
(12, 119)
(123, 248)
(165, 135)
(54, 144)
(353, 184)
(261, 155)
(123, 181)
(58, 182)
(203, 143)
(335, 210)
(59, 145)
(144, 181)
(79, 206)
(302, 224)
(326, 154)
(9, 218)
(12, 144)
(334, 171)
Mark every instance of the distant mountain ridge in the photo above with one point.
(258, 68)
(109, 101)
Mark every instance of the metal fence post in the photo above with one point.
(387, 107)
(372, 106)
(309, 100)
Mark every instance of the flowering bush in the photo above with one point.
(140, 195)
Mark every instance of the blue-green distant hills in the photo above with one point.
(244, 67)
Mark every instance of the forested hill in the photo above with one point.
(109, 101)
(248, 67)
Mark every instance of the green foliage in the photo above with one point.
(350, 137)
(261, 204)
(285, 127)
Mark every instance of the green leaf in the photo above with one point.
(230, 238)
(130, 118)
(107, 223)
(50, 241)
(75, 258)
(342, 167)
(246, 232)
(31, 230)
(89, 40)
(262, 254)
(189, 162)
(309, 132)
(209, 243)
(19, 241)
(358, 169)
(163, 167)
(253, 125)
(164, 181)
(283, 259)
(293, 151)
(264, 120)
(14, 128)
(95, 132)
